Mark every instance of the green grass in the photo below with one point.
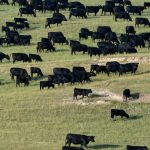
(31, 119)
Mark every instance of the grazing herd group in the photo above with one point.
(109, 43)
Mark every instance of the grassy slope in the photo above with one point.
(31, 119)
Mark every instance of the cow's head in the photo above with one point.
(91, 138)
(7, 57)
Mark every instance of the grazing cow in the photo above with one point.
(19, 72)
(77, 5)
(73, 42)
(94, 51)
(81, 92)
(126, 94)
(130, 30)
(71, 148)
(107, 8)
(20, 57)
(129, 147)
(143, 21)
(36, 70)
(56, 19)
(50, 6)
(23, 39)
(93, 9)
(57, 37)
(111, 37)
(35, 57)
(27, 11)
(20, 20)
(22, 79)
(128, 67)
(79, 139)
(2, 56)
(98, 68)
(118, 112)
(78, 48)
(122, 15)
(78, 13)
(44, 45)
(47, 84)
(134, 10)
(112, 66)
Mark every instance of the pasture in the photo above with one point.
(31, 119)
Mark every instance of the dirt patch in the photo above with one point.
(138, 59)
(105, 97)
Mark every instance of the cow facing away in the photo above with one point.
(118, 112)
(126, 94)
(129, 147)
(83, 140)
(81, 92)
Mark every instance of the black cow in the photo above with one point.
(4, 2)
(57, 37)
(93, 9)
(111, 37)
(126, 94)
(78, 13)
(98, 69)
(122, 15)
(79, 139)
(47, 84)
(145, 36)
(45, 45)
(78, 68)
(118, 9)
(134, 10)
(85, 32)
(127, 2)
(77, 5)
(22, 79)
(78, 48)
(23, 39)
(143, 21)
(112, 66)
(61, 71)
(2, 56)
(73, 42)
(18, 72)
(35, 57)
(146, 4)
(36, 70)
(20, 20)
(27, 11)
(119, 112)
(94, 51)
(50, 6)
(130, 29)
(71, 148)
(81, 92)
(129, 147)
(20, 57)
(129, 67)
(56, 19)
(107, 8)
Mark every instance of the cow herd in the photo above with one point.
(108, 42)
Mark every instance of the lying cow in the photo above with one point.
(126, 94)
(119, 112)
(36, 70)
(79, 139)
(71, 148)
(129, 147)
(81, 92)
(22, 79)
(47, 84)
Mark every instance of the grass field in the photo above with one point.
(31, 119)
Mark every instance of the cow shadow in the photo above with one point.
(134, 96)
(104, 146)
(135, 117)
